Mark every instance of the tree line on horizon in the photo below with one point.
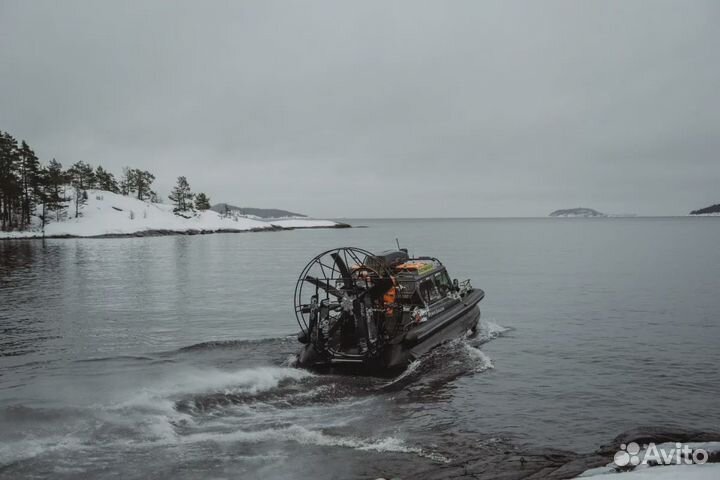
(30, 188)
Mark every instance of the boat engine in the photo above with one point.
(341, 303)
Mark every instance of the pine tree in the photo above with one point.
(29, 168)
(181, 196)
(10, 187)
(105, 180)
(89, 178)
(143, 182)
(127, 180)
(55, 181)
(42, 191)
(202, 202)
(81, 177)
(138, 182)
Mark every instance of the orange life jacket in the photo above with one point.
(389, 299)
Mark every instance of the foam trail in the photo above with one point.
(32, 447)
(246, 381)
(233, 344)
(414, 365)
(152, 412)
(291, 361)
(304, 436)
(482, 360)
(492, 329)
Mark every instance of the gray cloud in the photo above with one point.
(379, 108)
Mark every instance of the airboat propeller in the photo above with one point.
(336, 290)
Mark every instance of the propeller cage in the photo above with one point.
(339, 303)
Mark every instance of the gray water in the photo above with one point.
(171, 356)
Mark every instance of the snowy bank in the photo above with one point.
(676, 467)
(708, 471)
(110, 214)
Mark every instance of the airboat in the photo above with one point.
(378, 312)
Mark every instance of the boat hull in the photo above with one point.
(452, 323)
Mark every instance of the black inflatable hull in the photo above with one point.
(397, 355)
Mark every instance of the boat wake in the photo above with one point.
(210, 396)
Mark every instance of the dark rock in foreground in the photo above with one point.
(551, 464)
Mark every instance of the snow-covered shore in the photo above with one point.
(677, 467)
(708, 471)
(110, 214)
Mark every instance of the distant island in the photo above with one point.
(577, 212)
(225, 209)
(711, 210)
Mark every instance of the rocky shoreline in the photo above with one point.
(165, 232)
(508, 463)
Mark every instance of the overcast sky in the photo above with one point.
(379, 109)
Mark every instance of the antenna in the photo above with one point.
(397, 242)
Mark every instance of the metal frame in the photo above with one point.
(325, 268)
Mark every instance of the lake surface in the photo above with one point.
(171, 356)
